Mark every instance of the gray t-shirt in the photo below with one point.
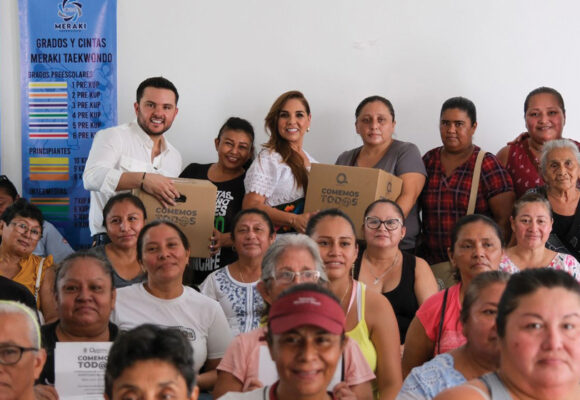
(400, 158)
(118, 282)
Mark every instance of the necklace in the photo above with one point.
(239, 271)
(380, 277)
(345, 292)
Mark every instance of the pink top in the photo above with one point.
(243, 355)
(561, 261)
(523, 166)
(429, 314)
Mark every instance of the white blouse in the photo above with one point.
(272, 178)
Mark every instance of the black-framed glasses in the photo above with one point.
(22, 228)
(289, 276)
(11, 354)
(390, 224)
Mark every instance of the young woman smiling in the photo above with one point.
(277, 180)
(370, 320)
(235, 147)
(123, 216)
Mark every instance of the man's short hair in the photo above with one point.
(158, 82)
(8, 307)
(150, 342)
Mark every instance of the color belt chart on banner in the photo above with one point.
(69, 92)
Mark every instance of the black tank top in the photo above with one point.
(402, 297)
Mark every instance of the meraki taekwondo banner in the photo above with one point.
(69, 92)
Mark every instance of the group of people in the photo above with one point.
(293, 304)
(522, 343)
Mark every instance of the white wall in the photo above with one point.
(235, 57)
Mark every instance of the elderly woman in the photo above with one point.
(51, 242)
(560, 165)
(85, 297)
(476, 247)
(291, 259)
(123, 216)
(478, 356)
(306, 338)
(537, 326)
(404, 279)
(454, 172)
(235, 286)
(375, 123)
(545, 117)
(235, 148)
(532, 223)
(163, 251)
(277, 179)
(150, 362)
(370, 319)
(20, 229)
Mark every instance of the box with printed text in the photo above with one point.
(193, 212)
(350, 189)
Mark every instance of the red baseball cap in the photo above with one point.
(306, 308)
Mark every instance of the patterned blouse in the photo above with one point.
(561, 261)
(431, 378)
(242, 303)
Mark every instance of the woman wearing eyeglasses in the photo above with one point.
(51, 241)
(405, 280)
(290, 260)
(21, 229)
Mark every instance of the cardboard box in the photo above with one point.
(193, 213)
(350, 189)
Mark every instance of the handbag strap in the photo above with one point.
(475, 182)
(38, 279)
(441, 321)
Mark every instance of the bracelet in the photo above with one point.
(143, 180)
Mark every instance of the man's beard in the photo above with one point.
(148, 131)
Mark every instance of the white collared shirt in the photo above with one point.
(122, 148)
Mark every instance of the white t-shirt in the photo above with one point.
(200, 318)
(262, 393)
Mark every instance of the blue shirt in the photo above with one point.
(431, 378)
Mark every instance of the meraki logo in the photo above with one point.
(70, 11)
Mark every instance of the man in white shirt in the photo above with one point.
(135, 155)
